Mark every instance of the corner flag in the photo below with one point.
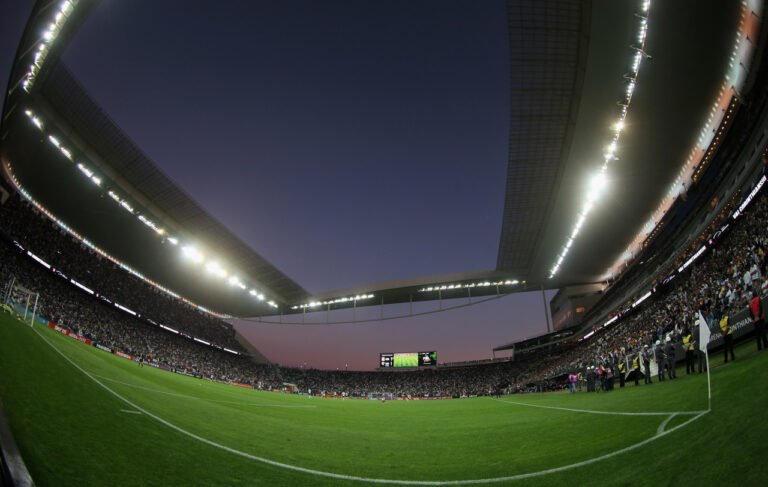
(703, 342)
(703, 333)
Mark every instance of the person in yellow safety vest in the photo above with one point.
(725, 328)
(636, 368)
(622, 372)
(688, 347)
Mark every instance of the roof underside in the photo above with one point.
(567, 61)
(548, 44)
(561, 126)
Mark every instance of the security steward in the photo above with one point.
(725, 328)
(688, 347)
(622, 372)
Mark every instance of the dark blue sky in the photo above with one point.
(347, 142)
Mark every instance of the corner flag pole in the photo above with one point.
(709, 383)
(704, 335)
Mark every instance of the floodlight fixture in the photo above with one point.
(215, 268)
(192, 254)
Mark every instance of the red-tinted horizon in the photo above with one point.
(468, 333)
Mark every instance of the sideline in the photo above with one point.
(609, 413)
(338, 476)
(177, 394)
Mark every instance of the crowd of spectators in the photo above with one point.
(722, 281)
(92, 318)
(22, 222)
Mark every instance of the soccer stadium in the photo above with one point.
(210, 210)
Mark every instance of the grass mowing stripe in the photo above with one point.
(364, 479)
(187, 396)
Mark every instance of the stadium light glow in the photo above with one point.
(48, 37)
(85, 170)
(146, 221)
(216, 269)
(258, 295)
(598, 183)
(348, 299)
(468, 285)
(192, 254)
(235, 281)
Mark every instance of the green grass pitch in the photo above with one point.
(175, 430)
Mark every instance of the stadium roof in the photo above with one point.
(570, 64)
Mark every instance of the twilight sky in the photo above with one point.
(347, 142)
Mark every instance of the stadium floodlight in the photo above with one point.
(173, 240)
(630, 88)
(215, 268)
(85, 170)
(597, 186)
(96, 180)
(256, 294)
(128, 207)
(192, 254)
(619, 126)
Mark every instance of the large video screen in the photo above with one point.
(427, 359)
(410, 359)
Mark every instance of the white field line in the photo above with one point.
(176, 394)
(337, 476)
(609, 413)
(664, 424)
(129, 411)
